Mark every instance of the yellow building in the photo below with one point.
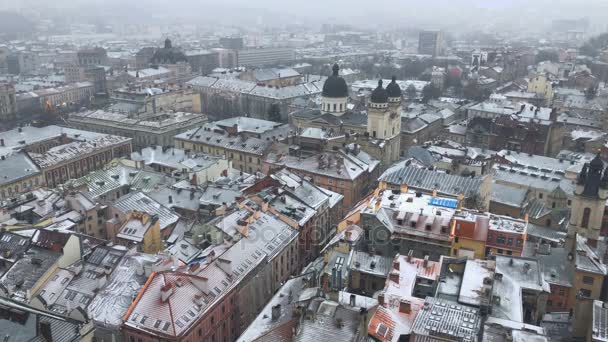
(470, 232)
(142, 230)
(541, 86)
(19, 175)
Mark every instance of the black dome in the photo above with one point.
(597, 162)
(335, 86)
(168, 55)
(393, 88)
(379, 95)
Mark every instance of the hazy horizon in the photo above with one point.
(455, 15)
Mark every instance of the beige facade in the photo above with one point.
(541, 86)
(73, 93)
(246, 161)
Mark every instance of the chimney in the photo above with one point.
(426, 261)
(165, 292)
(44, 329)
(405, 306)
(381, 299)
(276, 312)
(403, 188)
(409, 255)
(396, 263)
(394, 277)
(348, 235)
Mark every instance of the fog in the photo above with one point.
(453, 15)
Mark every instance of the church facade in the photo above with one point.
(377, 128)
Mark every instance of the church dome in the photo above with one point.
(379, 95)
(393, 88)
(335, 86)
(168, 55)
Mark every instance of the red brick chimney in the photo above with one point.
(405, 306)
(394, 277)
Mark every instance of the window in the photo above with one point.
(585, 220)
(540, 195)
(585, 293)
(569, 202)
(509, 253)
(510, 242)
(553, 205)
(562, 292)
(588, 280)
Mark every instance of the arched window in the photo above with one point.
(341, 106)
(335, 107)
(585, 220)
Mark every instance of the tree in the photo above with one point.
(546, 55)
(430, 91)
(590, 93)
(472, 91)
(410, 91)
(274, 112)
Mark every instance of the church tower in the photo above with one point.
(589, 202)
(335, 94)
(384, 118)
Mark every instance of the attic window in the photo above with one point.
(382, 330)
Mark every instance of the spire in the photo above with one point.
(167, 43)
(336, 69)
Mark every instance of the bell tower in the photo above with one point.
(589, 202)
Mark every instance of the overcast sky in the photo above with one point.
(368, 13)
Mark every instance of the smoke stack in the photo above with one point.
(405, 306)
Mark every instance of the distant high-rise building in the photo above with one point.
(8, 104)
(234, 43)
(431, 43)
(265, 56)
